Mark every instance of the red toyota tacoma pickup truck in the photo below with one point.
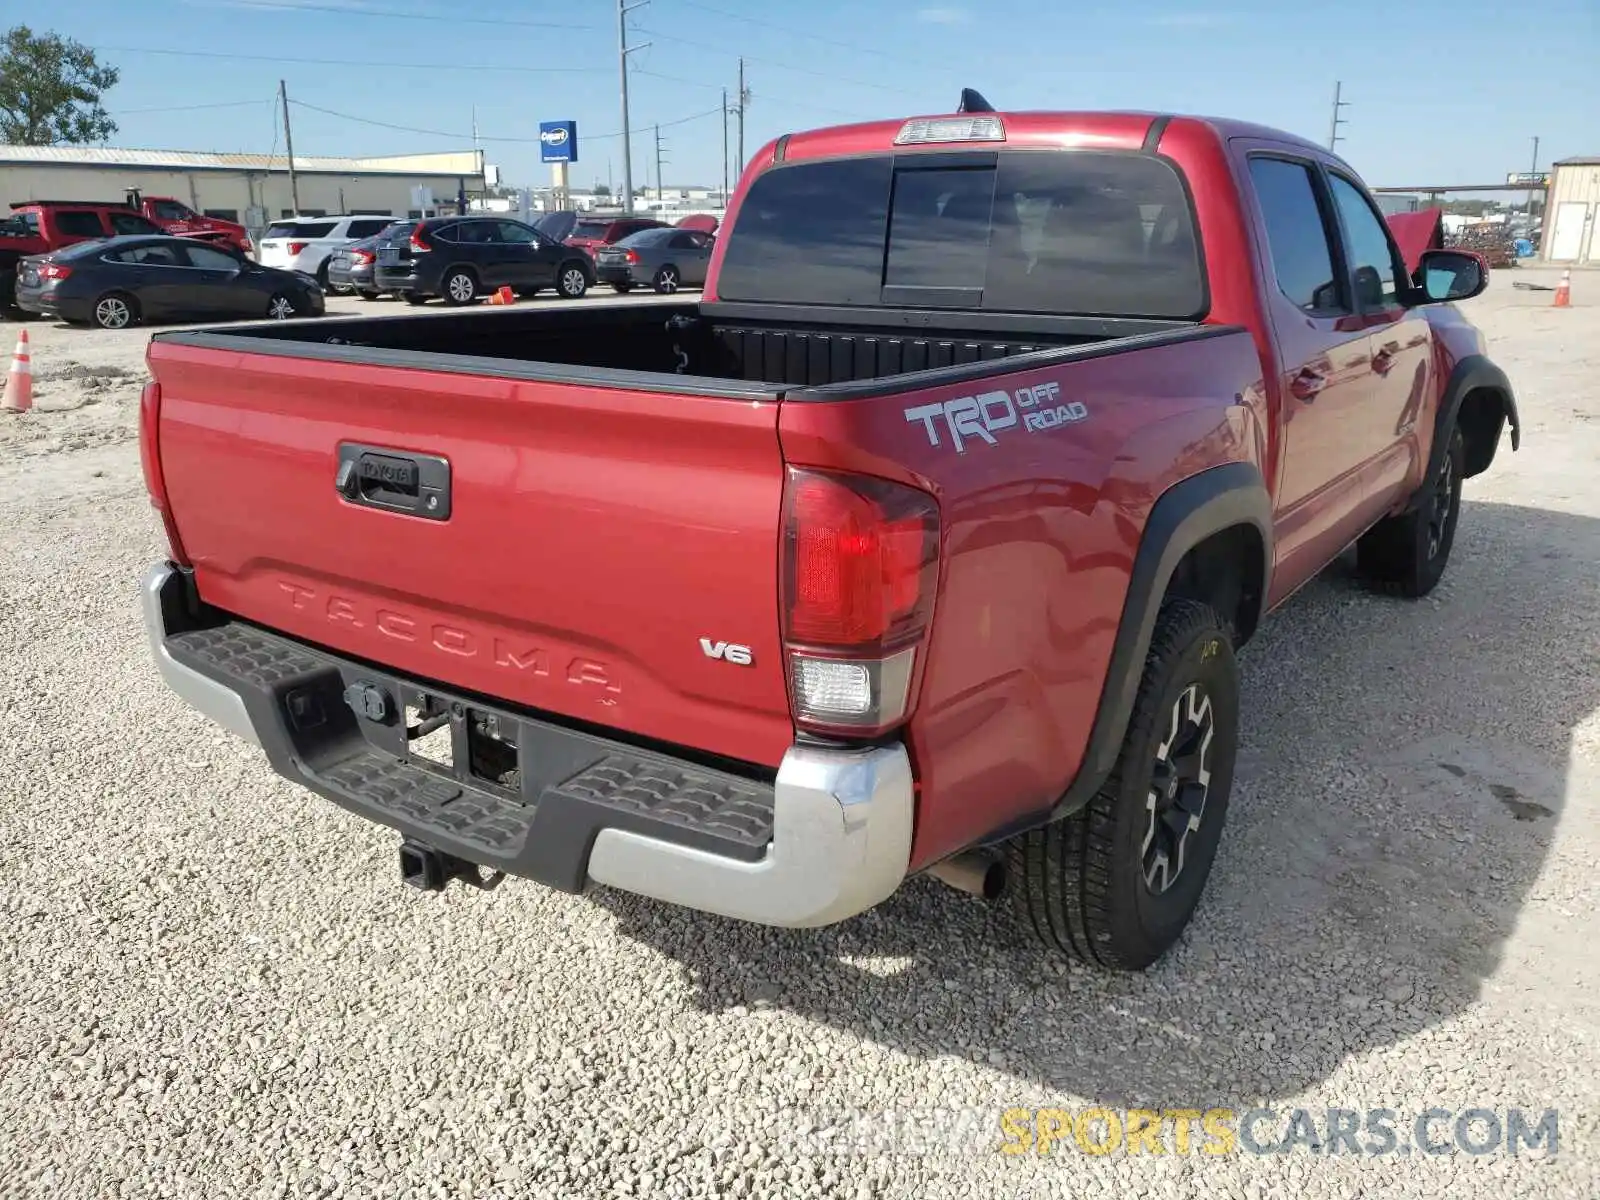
(924, 542)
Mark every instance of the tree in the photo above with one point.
(50, 90)
(601, 189)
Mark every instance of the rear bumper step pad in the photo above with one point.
(830, 837)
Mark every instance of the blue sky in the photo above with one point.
(1440, 92)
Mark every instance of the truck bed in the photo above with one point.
(709, 349)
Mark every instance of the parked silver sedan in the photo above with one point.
(663, 259)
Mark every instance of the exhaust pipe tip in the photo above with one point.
(974, 872)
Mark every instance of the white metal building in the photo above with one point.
(250, 188)
(1572, 212)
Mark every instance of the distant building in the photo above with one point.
(250, 188)
(1570, 214)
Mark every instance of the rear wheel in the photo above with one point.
(412, 297)
(460, 286)
(623, 288)
(116, 310)
(572, 281)
(1407, 554)
(364, 294)
(667, 280)
(282, 306)
(1116, 883)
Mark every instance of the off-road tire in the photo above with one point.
(1081, 882)
(1406, 555)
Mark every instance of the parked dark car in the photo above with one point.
(463, 258)
(122, 281)
(664, 259)
(353, 266)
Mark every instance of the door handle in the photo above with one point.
(1307, 384)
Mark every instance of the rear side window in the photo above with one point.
(1057, 232)
(300, 231)
(366, 229)
(1297, 236)
(159, 255)
(79, 223)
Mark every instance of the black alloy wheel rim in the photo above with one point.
(1180, 781)
(1439, 511)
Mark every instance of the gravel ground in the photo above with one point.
(212, 984)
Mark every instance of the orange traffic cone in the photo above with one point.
(19, 383)
(1564, 291)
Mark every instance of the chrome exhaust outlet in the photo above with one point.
(974, 872)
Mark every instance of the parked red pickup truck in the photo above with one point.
(924, 542)
(177, 218)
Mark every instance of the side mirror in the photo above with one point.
(1450, 275)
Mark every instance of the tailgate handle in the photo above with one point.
(398, 481)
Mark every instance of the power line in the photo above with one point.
(831, 77)
(339, 62)
(128, 112)
(588, 137)
(394, 14)
(794, 31)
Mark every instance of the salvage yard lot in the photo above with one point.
(212, 983)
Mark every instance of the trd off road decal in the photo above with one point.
(982, 416)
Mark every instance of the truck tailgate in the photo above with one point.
(594, 547)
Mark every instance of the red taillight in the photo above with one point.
(419, 242)
(296, 247)
(361, 257)
(633, 255)
(150, 460)
(54, 271)
(860, 568)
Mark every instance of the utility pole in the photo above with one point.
(623, 50)
(288, 141)
(744, 98)
(1532, 170)
(724, 149)
(1333, 129)
(660, 193)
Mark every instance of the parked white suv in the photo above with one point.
(304, 243)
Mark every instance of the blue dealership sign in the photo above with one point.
(558, 141)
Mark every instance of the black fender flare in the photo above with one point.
(1185, 515)
(1473, 373)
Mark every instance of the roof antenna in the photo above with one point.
(973, 101)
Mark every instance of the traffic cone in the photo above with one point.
(1563, 291)
(19, 383)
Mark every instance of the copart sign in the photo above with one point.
(980, 418)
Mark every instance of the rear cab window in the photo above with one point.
(133, 223)
(1059, 232)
